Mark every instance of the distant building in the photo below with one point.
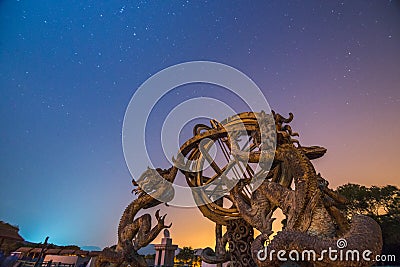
(9, 237)
(67, 260)
(57, 256)
(34, 252)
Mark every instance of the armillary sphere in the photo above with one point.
(212, 178)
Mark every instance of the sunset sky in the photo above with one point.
(68, 70)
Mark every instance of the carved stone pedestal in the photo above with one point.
(241, 235)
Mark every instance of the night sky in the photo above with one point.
(69, 68)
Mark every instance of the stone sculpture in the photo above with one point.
(286, 180)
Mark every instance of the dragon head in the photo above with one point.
(154, 182)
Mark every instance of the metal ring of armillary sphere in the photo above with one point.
(211, 192)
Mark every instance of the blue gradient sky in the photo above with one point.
(69, 68)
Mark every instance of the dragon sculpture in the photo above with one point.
(287, 180)
(314, 219)
(134, 234)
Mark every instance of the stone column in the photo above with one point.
(165, 252)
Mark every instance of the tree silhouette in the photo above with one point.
(383, 205)
(186, 255)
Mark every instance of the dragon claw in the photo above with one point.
(157, 214)
(161, 219)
